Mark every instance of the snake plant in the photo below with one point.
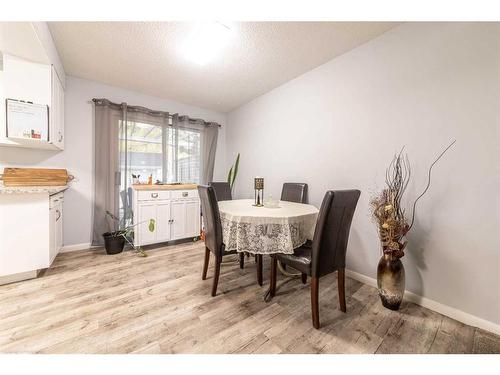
(231, 177)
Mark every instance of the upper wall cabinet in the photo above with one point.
(56, 114)
(27, 81)
(38, 84)
(31, 71)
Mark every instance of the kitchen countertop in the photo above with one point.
(165, 187)
(51, 190)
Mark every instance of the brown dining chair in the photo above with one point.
(222, 190)
(294, 192)
(213, 234)
(326, 253)
(223, 193)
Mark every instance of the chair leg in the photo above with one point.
(314, 301)
(304, 278)
(341, 288)
(218, 261)
(272, 287)
(258, 257)
(205, 264)
(242, 260)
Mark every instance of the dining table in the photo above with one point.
(269, 229)
(279, 227)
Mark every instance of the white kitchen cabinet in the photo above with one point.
(30, 231)
(176, 213)
(146, 212)
(56, 111)
(192, 210)
(162, 221)
(177, 225)
(55, 226)
(25, 80)
(39, 84)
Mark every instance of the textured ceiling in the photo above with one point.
(147, 56)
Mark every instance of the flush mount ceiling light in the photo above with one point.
(205, 42)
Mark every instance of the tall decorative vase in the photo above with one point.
(391, 281)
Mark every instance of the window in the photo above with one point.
(188, 156)
(169, 155)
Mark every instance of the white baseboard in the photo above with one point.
(76, 247)
(449, 311)
(18, 277)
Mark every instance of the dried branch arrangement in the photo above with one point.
(387, 208)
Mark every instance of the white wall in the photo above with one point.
(337, 127)
(78, 154)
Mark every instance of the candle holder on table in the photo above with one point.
(259, 191)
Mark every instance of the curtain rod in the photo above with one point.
(150, 111)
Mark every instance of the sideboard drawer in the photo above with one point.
(177, 194)
(152, 195)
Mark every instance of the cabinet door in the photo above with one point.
(59, 112)
(61, 115)
(147, 211)
(162, 221)
(56, 113)
(55, 231)
(59, 227)
(178, 217)
(52, 235)
(25, 80)
(192, 219)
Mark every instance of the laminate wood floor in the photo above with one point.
(88, 302)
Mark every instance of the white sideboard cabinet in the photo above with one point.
(175, 209)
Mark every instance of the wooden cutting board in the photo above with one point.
(35, 177)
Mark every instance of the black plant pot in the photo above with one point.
(391, 281)
(113, 243)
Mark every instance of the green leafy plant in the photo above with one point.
(233, 172)
(128, 232)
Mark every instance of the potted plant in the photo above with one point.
(135, 179)
(233, 172)
(114, 241)
(388, 212)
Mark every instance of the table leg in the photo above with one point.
(272, 281)
(259, 269)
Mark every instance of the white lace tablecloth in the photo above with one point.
(263, 230)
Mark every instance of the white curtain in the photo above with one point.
(186, 127)
(136, 140)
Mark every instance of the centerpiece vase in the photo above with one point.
(391, 281)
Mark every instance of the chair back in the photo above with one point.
(294, 192)
(332, 231)
(211, 219)
(222, 190)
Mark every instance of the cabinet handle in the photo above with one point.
(58, 215)
(154, 195)
(185, 193)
